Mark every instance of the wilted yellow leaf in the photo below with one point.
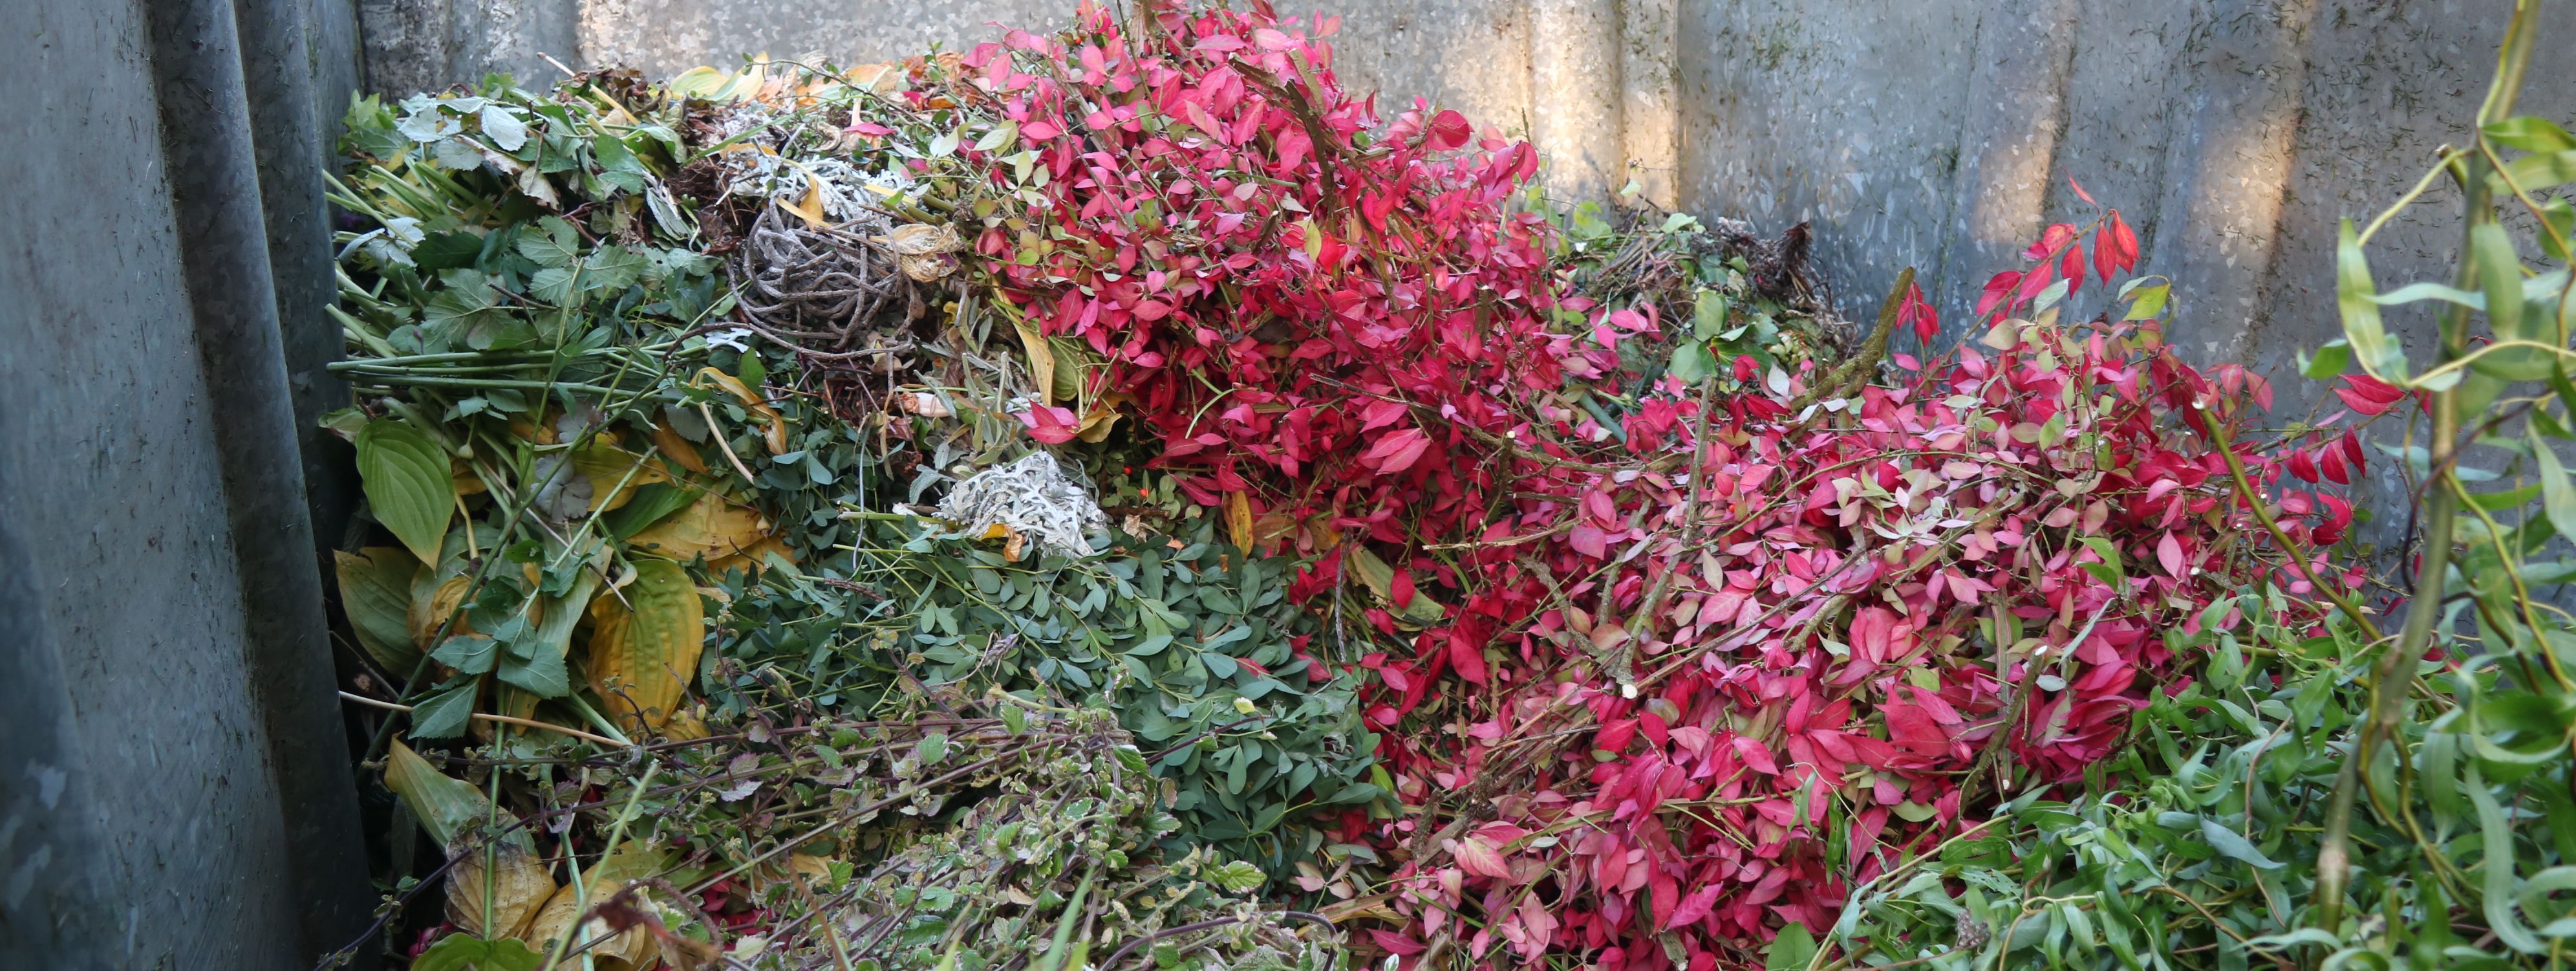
(1041, 356)
(433, 601)
(644, 650)
(1238, 520)
(810, 208)
(711, 526)
(452, 810)
(518, 881)
(754, 558)
(775, 430)
(679, 449)
(606, 465)
(632, 861)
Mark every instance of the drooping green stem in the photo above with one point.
(2395, 670)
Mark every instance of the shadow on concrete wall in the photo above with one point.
(174, 784)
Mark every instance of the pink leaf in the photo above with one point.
(2169, 553)
(1476, 856)
(1052, 425)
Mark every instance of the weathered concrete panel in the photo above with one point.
(114, 497)
(1939, 134)
(1850, 117)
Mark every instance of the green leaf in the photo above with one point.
(1708, 315)
(652, 503)
(408, 487)
(2417, 292)
(2150, 302)
(1691, 362)
(2233, 845)
(2331, 360)
(553, 284)
(375, 593)
(469, 653)
(553, 243)
(2533, 173)
(446, 251)
(2109, 570)
(2498, 869)
(2499, 276)
(2556, 212)
(1235, 876)
(2361, 323)
(2530, 134)
(1001, 135)
(2558, 496)
(1792, 950)
(542, 675)
(503, 128)
(466, 952)
(444, 714)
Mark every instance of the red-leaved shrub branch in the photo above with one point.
(1644, 695)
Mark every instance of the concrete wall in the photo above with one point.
(174, 789)
(1934, 133)
(1939, 134)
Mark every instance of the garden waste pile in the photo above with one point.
(1114, 498)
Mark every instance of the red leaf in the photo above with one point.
(1396, 943)
(2128, 241)
(1449, 130)
(2303, 467)
(1052, 425)
(2169, 554)
(1396, 451)
(2080, 193)
(2368, 395)
(1996, 287)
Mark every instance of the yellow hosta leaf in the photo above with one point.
(606, 465)
(432, 602)
(454, 811)
(774, 431)
(518, 883)
(710, 526)
(679, 449)
(1041, 357)
(375, 591)
(754, 558)
(644, 648)
(633, 861)
(1238, 520)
